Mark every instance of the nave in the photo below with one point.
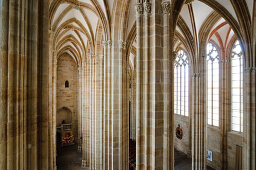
(127, 84)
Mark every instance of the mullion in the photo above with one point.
(212, 93)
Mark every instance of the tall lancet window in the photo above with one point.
(213, 84)
(237, 87)
(181, 69)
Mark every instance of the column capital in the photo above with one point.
(109, 43)
(139, 8)
(92, 55)
(51, 32)
(73, 2)
(188, 1)
(53, 52)
(173, 55)
(122, 44)
(196, 75)
(166, 6)
(104, 43)
(84, 163)
(147, 7)
(224, 60)
(250, 70)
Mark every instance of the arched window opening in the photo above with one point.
(181, 69)
(66, 84)
(213, 84)
(237, 87)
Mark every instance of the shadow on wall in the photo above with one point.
(63, 114)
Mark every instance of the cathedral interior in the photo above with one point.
(127, 84)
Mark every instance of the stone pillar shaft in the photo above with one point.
(249, 124)
(139, 23)
(168, 153)
(21, 46)
(98, 109)
(198, 125)
(106, 107)
(153, 91)
(109, 73)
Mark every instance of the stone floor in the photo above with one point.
(69, 159)
(183, 162)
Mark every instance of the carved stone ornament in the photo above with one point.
(139, 8)
(74, 2)
(196, 75)
(104, 43)
(166, 6)
(84, 163)
(188, 1)
(147, 7)
(250, 70)
(109, 43)
(179, 132)
(226, 60)
(122, 44)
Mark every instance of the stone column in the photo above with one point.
(153, 88)
(198, 122)
(168, 154)
(22, 46)
(139, 143)
(109, 82)
(105, 124)
(85, 117)
(133, 98)
(225, 103)
(125, 105)
(98, 110)
(88, 113)
(117, 111)
(92, 117)
(4, 29)
(78, 111)
(249, 125)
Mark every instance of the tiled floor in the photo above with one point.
(69, 159)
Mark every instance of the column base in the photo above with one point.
(79, 148)
(84, 164)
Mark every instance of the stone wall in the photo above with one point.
(214, 143)
(183, 145)
(67, 97)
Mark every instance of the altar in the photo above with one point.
(66, 134)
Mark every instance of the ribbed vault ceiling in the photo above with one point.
(74, 22)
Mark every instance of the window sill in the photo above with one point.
(236, 133)
(213, 127)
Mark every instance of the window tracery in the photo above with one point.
(213, 84)
(181, 72)
(237, 87)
